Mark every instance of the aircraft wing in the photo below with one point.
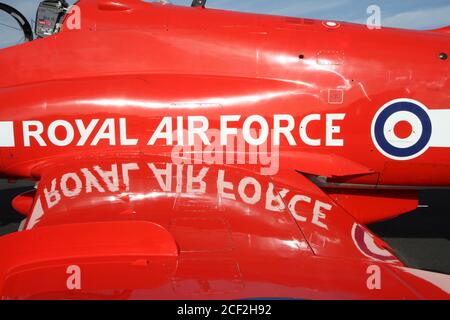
(148, 228)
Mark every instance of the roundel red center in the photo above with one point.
(403, 129)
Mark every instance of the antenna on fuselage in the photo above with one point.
(198, 3)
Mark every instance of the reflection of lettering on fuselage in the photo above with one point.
(172, 178)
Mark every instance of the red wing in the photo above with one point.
(145, 228)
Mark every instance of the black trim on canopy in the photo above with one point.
(21, 20)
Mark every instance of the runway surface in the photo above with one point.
(421, 238)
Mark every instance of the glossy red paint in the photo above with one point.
(81, 108)
(368, 207)
(238, 235)
(23, 203)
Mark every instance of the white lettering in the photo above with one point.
(318, 214)
(91, 181)
(107, 132)
(111, 178)
(293, 203)
(85, 133)
(198, 179)
(224, 130)
(243, 184)
(332, 129)
(276, 197)
(52, 197)
(52, 133)
(222, 185)
(286, 131)
(163, 131)
(246, 129)
(124, 140)
(65, 189)
(36, 134)
(304, 126)
(199, 131)
(159, 173)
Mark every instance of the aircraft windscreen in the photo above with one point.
(18, 21)
(43, 16)
(10, 30)
(49, 17)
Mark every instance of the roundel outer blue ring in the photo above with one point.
(419, 145)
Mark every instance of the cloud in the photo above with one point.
(423, 19)
(285, 7)
(26, 7)
(10, 36)
(415, 14)
(309, 7)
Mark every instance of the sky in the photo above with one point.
(409, 14)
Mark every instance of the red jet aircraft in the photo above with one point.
(191, 153)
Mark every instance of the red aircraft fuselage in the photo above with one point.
(166, 142)
(336, 100)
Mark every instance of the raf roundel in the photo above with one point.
(401, 129)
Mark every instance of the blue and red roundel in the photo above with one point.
(402, 129)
